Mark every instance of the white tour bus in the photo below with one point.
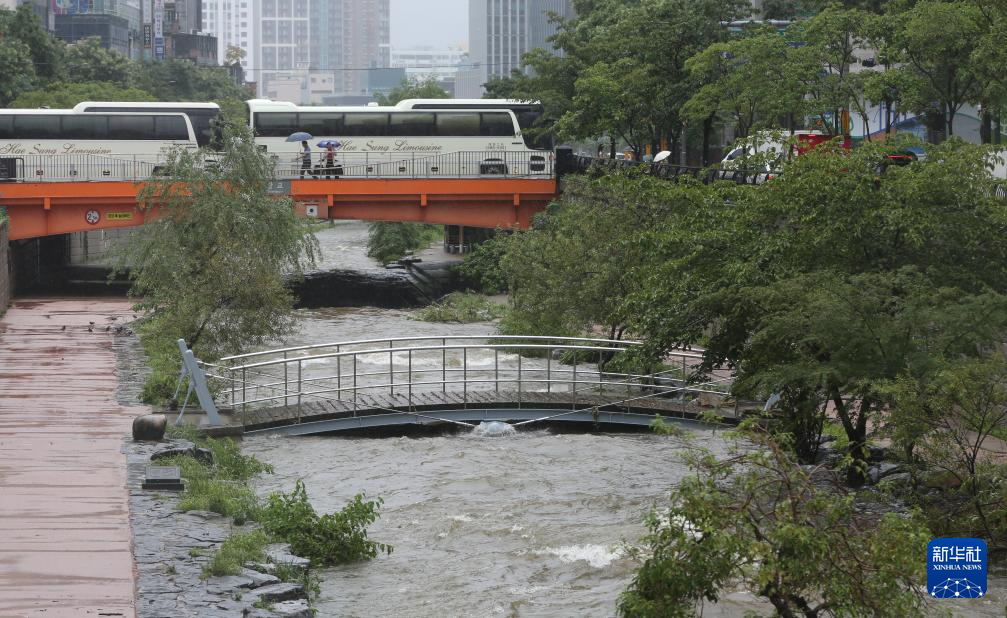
(203, 116)
(64, 145)
(526, 112)
(396, 141)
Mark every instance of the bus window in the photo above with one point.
(366, 125)
(85, 126)
(320, 123)
(275, 124)
(412, 124)
(7, 127)
(496, 125)
(457, 124)
(131, 127)
(170, 128)
(36, 126)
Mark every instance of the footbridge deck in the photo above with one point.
(463, 380)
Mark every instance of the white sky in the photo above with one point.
(429, 23)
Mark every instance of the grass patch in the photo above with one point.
(235, 552)
(461, 307)
(842, 441)
(223, 487)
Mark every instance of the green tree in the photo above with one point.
(830, 282)
(949, 424)
(211, 267)
(46, 51)
(750, 80)
(760, 520)
(413, 88)
(17, 73)
(571, 271)
(934, 42)
(234, 54)
(87, 61)
(388, 241)
(181, 80)
(66, 95)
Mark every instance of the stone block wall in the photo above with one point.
(6, 279)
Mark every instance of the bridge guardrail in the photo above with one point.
(409, 367)
(139, 168)
(462, 164)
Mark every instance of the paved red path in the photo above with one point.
(65, 541)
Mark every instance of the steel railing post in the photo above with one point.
(391, 369)
(548, 371)
(575, 381)
(299, 389)
(339, 375)
(519, 385)
(410, 378)
(354, 384)
(496, 369)
(444, 365)
(465, 376)
(286, 382)
(244, 390)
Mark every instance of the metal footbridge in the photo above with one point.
(462, 380)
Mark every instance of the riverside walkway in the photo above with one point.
(65, 541)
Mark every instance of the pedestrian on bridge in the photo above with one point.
(305, 159)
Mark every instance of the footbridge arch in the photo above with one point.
(458, 380)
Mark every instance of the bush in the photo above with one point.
(461, 307)
(330, 539)
(389, 241)
(761, 521)
(481, 270)
(235, 552)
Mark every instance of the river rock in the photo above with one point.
(900, 479)
(279, 553)
(183, 447)
(149, 427)
(226, 583)
(877, 453)
(274, 593)
(293, 609)
(259, 579)
(880, 471)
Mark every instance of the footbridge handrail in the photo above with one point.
(413, 375)
(315, 346)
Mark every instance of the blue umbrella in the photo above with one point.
(300, 136)
(325, 143)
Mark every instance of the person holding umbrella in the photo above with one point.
(302, 137)
(329, 157)
(305, 159)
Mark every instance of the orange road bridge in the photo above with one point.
(508, 382)
(58, 194)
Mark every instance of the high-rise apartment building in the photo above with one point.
(366, 41)
(303, 50)
(500, 33)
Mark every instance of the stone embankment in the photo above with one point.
(172, 547)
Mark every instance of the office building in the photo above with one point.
(115, 22)
(426, 62)
(501, 32)
(231, 22)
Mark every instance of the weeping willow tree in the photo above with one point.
(211, 265)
